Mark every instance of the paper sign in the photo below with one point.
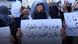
(46, 31)
(4, 35)
(71, 1)
(62, 2)
(56, 0)
(26, 3)
(71, 20)
(15, 8)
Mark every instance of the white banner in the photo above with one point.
(71, 20)
(46, 31)
(25, 3)
(56, 0)
(15, 8)
(4, 35)
(71, 1)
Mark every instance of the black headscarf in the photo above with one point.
(53, 10)
(39, 15)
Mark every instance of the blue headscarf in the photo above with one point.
(39, 2)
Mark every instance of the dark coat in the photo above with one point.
(6, 20)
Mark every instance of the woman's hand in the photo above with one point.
(19, 33)
(63, 31)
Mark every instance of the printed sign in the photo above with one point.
(71, 20)
(46, 31)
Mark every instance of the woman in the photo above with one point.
(24, 13)
(39, 10)
(57, 13)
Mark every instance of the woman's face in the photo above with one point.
(39, 8)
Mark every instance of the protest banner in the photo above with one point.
(71, 20)
(43, 31)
